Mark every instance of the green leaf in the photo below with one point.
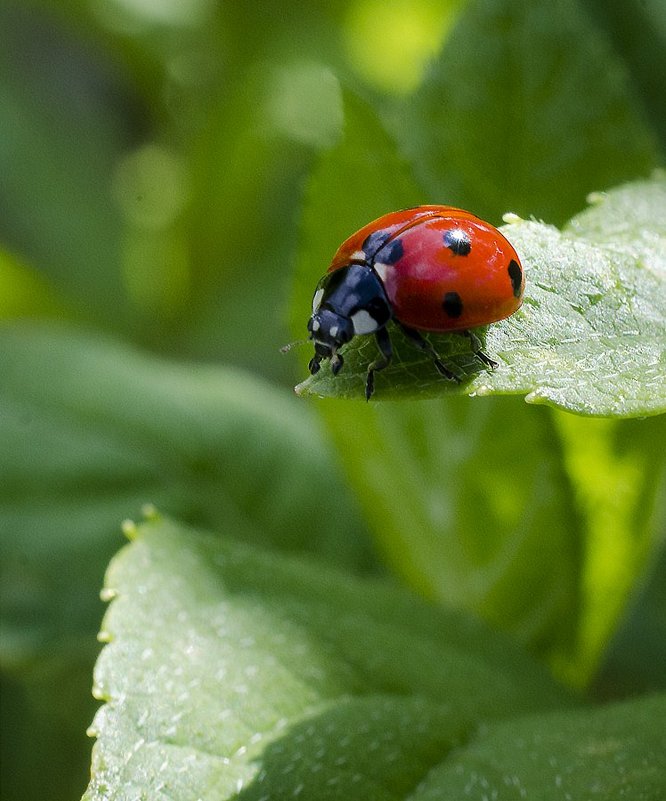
(618, 472)
(57, 210)
(470, 505)
(636, 658)
(254, 155)
(92, 430)
(637, 30)
(235, 673)
(24, 293)
(360, 178)
(45, 709)
(589, 337)
(617, 751)
(527, 110)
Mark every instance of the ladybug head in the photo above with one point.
(348, 301)
(330, 331)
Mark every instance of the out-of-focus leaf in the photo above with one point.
(45, 709)
(91, 430)
(470, 505)
(247, 170)
(637, 29)
(527, 110)
(234, 673)
(618, 751)
(66, 114)
(618, 471)
(359, 179)
(25, 293)
(589, 337)
(410, 30)
(636, 659)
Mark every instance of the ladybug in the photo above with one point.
(428, 268)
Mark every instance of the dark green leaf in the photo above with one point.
(637, 30)
(607, 753)
(66, 114)
(527, 110)
(636, 658)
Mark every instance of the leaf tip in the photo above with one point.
(92, 731)
(596, 198)
(302, 389)
(104, 636)
(98, 692)
(107, 594)
(480, 391)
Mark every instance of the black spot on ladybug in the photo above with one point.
(375, 241)
(452, 304)
(516, 276)
(457, 241)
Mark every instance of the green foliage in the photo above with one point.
(92, 431)
(260, 659)
(434, 475)
(273, 676)
(613, 752)
(527, 110)
(153, 159)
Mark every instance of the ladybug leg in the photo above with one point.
(421, 343)
(386, 349)
(336, 363)
(314, 365)
(476, 350)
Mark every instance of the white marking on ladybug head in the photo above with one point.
(358, 255)
(316, 325)
(381, 269)
(333, 331)
(316, 300)
(364, 322)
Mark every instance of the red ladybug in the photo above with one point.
(430, 268)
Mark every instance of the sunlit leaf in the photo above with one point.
(233, 673)
(618, 473)
(589, 337)
(25, 293)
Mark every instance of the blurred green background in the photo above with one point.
(154, 159)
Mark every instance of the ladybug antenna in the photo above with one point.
(290, 345)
